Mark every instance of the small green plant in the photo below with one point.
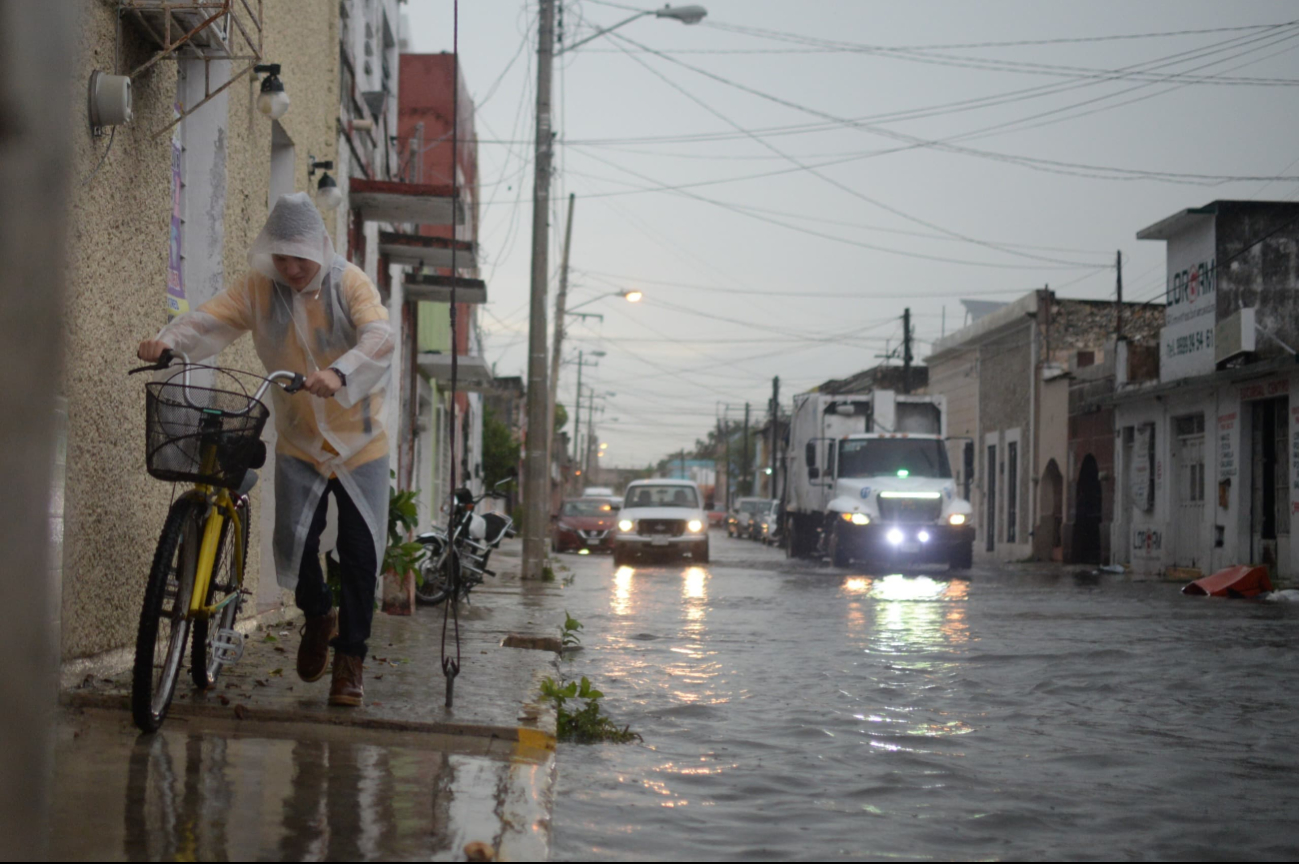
(403, 556)
(587, 724)
(547, 573)
(568, 637)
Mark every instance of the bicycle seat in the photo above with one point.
(249, 481)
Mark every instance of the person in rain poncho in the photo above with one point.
(311, 311)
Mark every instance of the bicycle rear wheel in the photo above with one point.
(207, 660)
(164, 621)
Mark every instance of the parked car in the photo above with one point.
(770, 524)
(584, 523)
(740, 521)
(661, 516)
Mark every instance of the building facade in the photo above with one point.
(162, 211)
(1006, 376)
(1206, 473)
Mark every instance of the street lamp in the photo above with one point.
(632, 296)
(684, 14)
(536, 486)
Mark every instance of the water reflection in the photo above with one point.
(622, 579)
(912, 614)
(204, 797)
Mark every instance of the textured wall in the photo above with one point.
(117, 278)
(1004, 376)
(117, 268)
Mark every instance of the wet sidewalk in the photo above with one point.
(263, 767)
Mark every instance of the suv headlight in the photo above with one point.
(626, 525)
(695, 526)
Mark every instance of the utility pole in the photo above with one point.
(747, 462)
(1118, 308)
(775, 422)
(577, 410)
(906, 350)
(719, 484)
(536, 487)
(560, 300)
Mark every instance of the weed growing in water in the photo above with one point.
(568, 637)
(586, 725)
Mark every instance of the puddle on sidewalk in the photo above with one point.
(280, 791)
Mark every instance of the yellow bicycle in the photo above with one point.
(209, 436)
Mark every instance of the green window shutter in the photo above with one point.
(435, 327)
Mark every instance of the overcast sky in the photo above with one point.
(790, 242)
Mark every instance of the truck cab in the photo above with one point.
(869, 479)
(894, 499)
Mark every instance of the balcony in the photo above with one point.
(416, 250)
(416, 203)
(437, 289)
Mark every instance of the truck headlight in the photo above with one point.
(695, 526)
(860, 519)
(956, 519)
(626, 525)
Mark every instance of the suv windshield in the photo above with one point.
(587, 508)
(901, 457)
(756, 506)
(662, 496)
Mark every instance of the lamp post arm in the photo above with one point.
(597, 34)
(570, 309)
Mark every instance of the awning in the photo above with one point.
(422, 203)
(472, 373)
(415, 250)
(437, 289)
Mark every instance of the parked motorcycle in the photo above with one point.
(455, 565)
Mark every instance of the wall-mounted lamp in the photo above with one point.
(273, 101)
(328, 195)
(110, 100)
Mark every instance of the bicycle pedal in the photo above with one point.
(227, 646)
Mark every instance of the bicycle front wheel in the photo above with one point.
(164, 617)
(207, 658)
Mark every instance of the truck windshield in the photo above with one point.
(662, 496)
(876, 457)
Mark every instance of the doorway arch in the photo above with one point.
(1087, 514)
(1049, 537)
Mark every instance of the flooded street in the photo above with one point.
(799, 712)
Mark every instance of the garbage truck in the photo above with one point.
(869, 480)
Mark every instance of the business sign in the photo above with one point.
(1187, 340)
(1187, 348)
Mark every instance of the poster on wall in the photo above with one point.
(177, 304)
(1140, 487)
(1226, 446)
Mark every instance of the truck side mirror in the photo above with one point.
(813, 472)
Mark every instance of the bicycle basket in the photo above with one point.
(184, 426)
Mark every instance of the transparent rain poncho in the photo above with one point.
(337, 321)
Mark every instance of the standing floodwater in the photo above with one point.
(795, 712)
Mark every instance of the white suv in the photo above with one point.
(661, 516)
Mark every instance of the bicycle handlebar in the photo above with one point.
(296, 379)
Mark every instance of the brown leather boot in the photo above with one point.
(346, 688)
(313, 650)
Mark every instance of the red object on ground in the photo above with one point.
(1242, 581)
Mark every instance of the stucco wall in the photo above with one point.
(1005, 366)
(117, 268)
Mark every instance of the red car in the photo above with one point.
(585, 523)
